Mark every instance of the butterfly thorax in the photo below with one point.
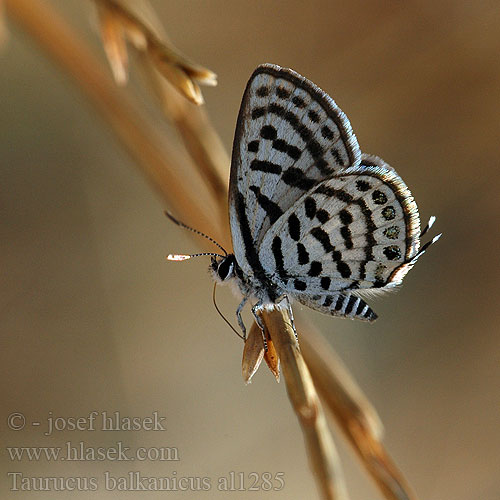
(226, 269)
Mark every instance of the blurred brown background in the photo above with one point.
(93, 318)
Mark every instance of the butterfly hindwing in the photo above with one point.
(290, 136)
(357, 230)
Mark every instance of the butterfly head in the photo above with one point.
(223, 268)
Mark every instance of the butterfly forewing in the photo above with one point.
(356, 230)
(290, 136)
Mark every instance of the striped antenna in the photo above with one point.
(179, 257)
(189, 228)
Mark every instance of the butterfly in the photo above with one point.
(312, 218)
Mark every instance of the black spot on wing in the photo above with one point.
(370, 239)
(253, 146)
(322, 165)
(278, 257)
(345, 217)
(344, 269)
(268, 132)
(389, 213)
(299, 285)
(350, 304)
(315, 269)
(328, 301)
(325, 282)
(262, 91)
(271, 208)
(392, 252)
(313, 116)
(336, 154)
(299, 102)
(346, 234)
(392, 232)
(340, 302)
(292, 151)
(323, 216)
(295, 177)
(334, 193)
(258, 112)
(378, 197)
(310, 206)
(322, 236)
(327, 133)
(302, 254)
(360, 308)
(282, 92)
(294, 227)
(362, 185)
(265, 166)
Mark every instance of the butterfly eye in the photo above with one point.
(225, 269)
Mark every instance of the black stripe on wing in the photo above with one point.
(340, 304)
(250, 251)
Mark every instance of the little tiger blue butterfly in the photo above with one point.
(312, 218)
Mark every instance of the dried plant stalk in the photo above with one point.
(160, 61)
(353, 413)
(200, 139)
(4, 34)
(156, 158)
(322, 453)
(175, 67)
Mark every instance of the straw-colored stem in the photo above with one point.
(200, 139)
(322, 453)
(158, 160)
(353, 413)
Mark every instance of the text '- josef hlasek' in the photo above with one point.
(94, 421)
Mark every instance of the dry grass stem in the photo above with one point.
(322, 453)
(4, 34)
(200, 138)
(167, 167)
(164, 165)
(114, 44)
(353, 413)
(120, 21)
(338, 389)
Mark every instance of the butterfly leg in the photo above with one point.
(259, 322)
(240, 319)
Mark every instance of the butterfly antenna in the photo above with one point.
(179, 257)
(223, 317)
(185, 226)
